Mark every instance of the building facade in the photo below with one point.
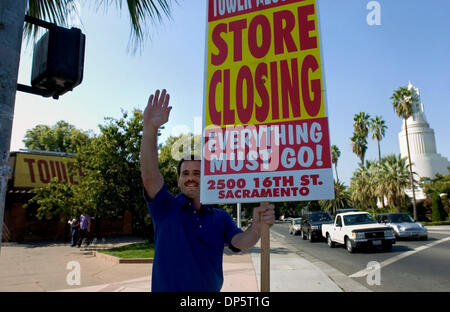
(426, 162)
(32, 169)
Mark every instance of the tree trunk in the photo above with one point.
(410, 172)
(379, 151)
(12, 16)
(379, 159)
(335, 169)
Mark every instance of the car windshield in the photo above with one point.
(401, 218)
(297, 221)
(355, 219)
(319, 217)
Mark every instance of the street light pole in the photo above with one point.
(12, 17)
(238, 219)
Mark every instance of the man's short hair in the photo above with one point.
(181, 161)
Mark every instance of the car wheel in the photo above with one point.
(348, 245)
(387, 247)
(330, 243)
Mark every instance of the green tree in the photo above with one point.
(359, 146)
(378, 127)
(363, 185)
(111, 183)
(335, 154)
(360, 133)
(290, 209)
(56, 199)
(403, 101)
(62, 137)
(392, 180)
(342, 199)
(12, 33)
(438, 212)
(361, 123)
(439, 185)
(112, 179)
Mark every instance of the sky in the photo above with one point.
(362, 64)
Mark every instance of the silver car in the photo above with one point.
(403, 225)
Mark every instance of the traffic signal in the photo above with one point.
(58, 61)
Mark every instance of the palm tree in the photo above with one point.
(363, 186)
(393, 179)
(335, 154)
(403, 101)
(361, 123)
(359, 145)
(11, 34)
(361, 131)
(378, 128)
(59, 12)
(341, 199)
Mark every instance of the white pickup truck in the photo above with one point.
(357, 229)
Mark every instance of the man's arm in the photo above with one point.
(155, 115)
(248, 239)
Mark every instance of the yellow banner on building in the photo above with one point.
(31, 170)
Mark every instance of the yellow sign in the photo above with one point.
(37, 170)
(266, 134)
(264, 66)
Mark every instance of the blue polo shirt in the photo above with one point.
(189, 244)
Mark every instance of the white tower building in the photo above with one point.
(422, 145)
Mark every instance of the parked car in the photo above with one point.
(403, 225)
(347, 210)
(358, 229)
(294, 226)
(312, 222)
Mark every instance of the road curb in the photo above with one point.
(347, 284)
(118, 260)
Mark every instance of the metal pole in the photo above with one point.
(12, 16)
(239, 215)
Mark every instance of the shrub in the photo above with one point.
(438, 212)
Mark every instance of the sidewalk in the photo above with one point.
(289, 273)
(43, 267)
(441, 229)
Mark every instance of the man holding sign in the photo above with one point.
(189, 236)
(266, 134)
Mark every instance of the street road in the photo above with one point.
(411, 266)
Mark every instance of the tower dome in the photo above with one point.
(422, 143)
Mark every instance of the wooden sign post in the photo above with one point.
(266, 135)
(265, 255)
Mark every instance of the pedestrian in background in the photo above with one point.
(85, 228)
(74, 228)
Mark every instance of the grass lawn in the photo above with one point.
(436, 223)
(138, 250)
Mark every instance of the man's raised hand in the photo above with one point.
(157, 111)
